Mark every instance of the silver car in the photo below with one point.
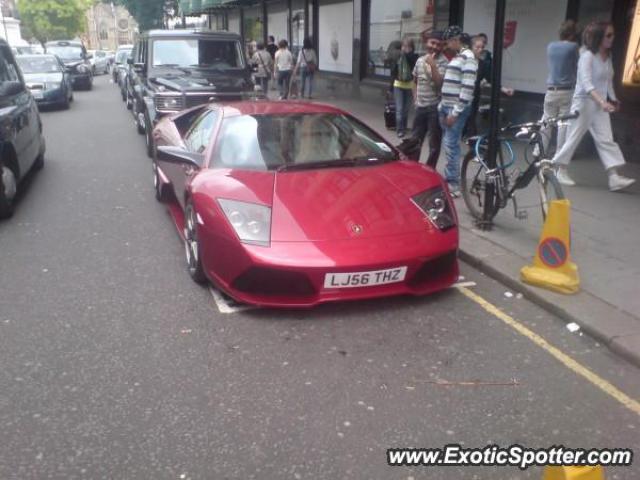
(99, 61)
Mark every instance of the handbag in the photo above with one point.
(266, 70)
(311, 66)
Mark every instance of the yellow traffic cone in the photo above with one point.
(552, 267)
(573, 473)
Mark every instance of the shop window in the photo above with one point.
(104, 32)
(253, 27)
(297, 25)
(335, 32)
(277, 17)
(389, 23)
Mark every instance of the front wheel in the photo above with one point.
(8, 190)
(148, 136)
(473, 184)
(192, 245)
(550, 189)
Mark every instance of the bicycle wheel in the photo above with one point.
(473, 186)
(550, 189)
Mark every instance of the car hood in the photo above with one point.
(42, 77)
(195, 80)
(72, 63)
(343, 203)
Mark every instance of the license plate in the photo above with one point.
(365, 279)
(37, 94)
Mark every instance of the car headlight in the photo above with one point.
(82, 68)
(436, 206)
(251, 221)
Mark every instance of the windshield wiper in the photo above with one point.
(319, 164)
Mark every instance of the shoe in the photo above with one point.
(618, 182)
(400, 134)
(563, 177)
(454, 190)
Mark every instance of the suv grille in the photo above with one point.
(172, 103)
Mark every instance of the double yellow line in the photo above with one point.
(565, 359)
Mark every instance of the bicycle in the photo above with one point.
(475, 173)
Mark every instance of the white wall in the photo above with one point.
(335, 25)
(524, 62)
(234, 21)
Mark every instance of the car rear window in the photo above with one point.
(269, 142)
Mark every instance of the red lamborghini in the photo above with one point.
(294, 204)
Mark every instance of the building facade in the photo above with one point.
(10, 27)
(356, 41)
(109, 26)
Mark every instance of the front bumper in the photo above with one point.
(49, 97)
(291, 274)
(80, 79)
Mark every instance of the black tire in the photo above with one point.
(65, 104)
(39, 163)
(472, 186)
(161, 189)
(192, 246)
(6, 203)
(148, 137)
(550, 189)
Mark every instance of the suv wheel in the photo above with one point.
(8, 190)
(148, 136)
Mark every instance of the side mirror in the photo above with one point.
(139, 67)
(179, 156)
(9, 89)
(129, 61)
(88, 57)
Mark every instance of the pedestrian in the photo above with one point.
(264, 63)
(271, 47)
(402, 84)
(595, 100)
(485, 62)
(562, 61)
(307, 64)
(457, 95)
(429, 74)
(283, 68)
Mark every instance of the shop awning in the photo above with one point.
(198, 7)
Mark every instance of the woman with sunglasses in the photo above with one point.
(595, 99)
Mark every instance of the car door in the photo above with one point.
(196, 140)
(24, 117)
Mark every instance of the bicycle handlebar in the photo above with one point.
(541, 123)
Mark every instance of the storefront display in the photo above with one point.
(631, 77)
(335, 22)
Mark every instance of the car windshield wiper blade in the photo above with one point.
(349, 162)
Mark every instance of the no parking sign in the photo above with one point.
(553, 252)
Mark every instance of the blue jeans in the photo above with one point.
(451, 137)
(264, 83)
(403, 98)
(307, 79)
(284, 76)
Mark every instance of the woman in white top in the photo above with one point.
(284, 67)
(308, 64)
(595, 100)
(263, 61)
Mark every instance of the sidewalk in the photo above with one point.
(605, 246)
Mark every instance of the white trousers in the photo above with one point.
(598, 122)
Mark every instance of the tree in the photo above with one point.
(149, 13)
(53, 19)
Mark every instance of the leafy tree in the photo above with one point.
(53, 19)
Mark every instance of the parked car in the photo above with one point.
(295, 204)
(76, 60)
(47, 78)
(22, 144)
(171, 70)
(99, 61)
(120, 61)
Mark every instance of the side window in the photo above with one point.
(199, 135)
(8, 68)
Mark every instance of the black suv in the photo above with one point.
(170, 70)
(76, 60)
(21, 141)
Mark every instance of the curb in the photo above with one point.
(622, 345)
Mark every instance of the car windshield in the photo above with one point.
(39, 64)
(298, 141)
(66, 52)
(122, 55)
(193, 52)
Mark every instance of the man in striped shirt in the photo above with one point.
(455, 106)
